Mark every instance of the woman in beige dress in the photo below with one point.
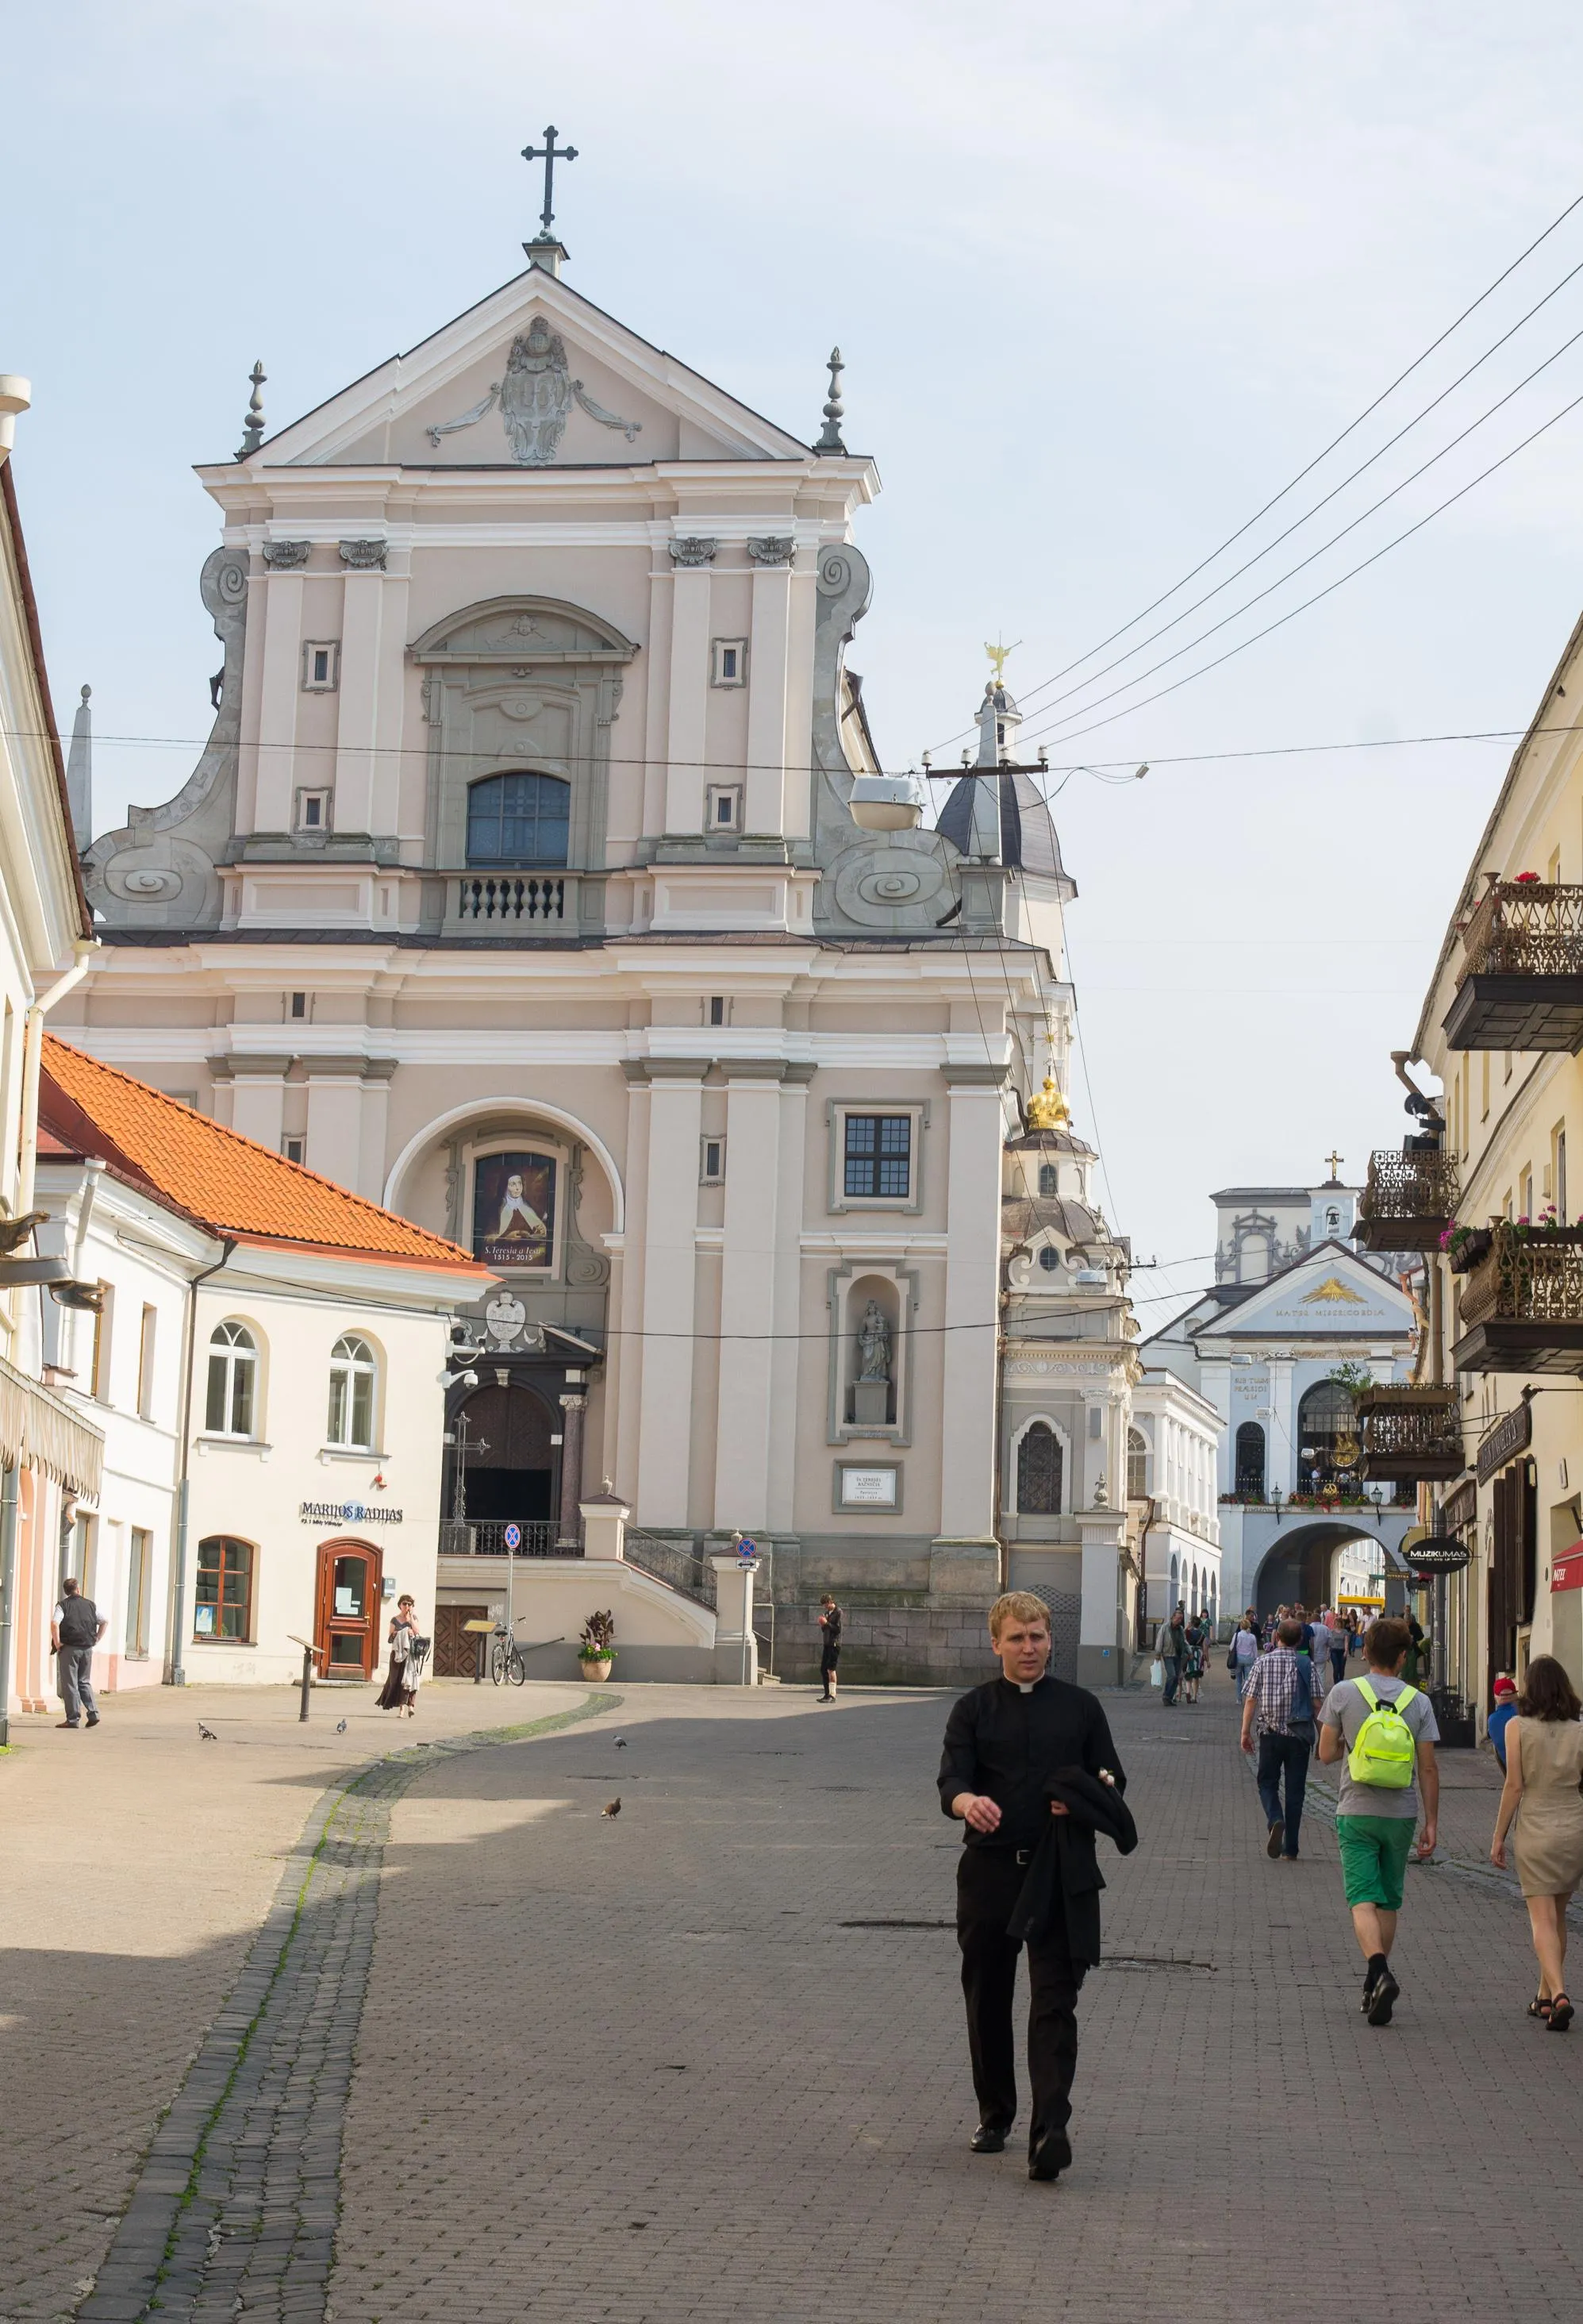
(1544, 1792)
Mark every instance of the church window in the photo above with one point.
(1038, 1471)
(295, 1149)
(313, 811)
(521, 819)
(717, 1009)
(1250, 1461)
(298, 1007)
(1328, 1447)
(1137, 1465)
(321, 665)
(728, 661)
(1049, 1179)
(1049, 1259)
(712, 1170)
(879, 1154)
(724, 810)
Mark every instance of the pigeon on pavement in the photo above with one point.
(621, 1742)
(340, 1727)
(207, 1734)
(611, 1808)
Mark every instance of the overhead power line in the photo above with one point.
(1351, 428)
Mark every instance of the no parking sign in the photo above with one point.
(513, 1536)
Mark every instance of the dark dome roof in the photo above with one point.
(1028, 832)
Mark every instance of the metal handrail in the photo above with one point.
(1534, 1278)
(486, 1537)
(1410, 1187)
(1526, 927)
(675, 1562)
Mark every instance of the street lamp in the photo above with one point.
(887, 802)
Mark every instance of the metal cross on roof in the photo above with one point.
(550, 153)
(1335, 1161)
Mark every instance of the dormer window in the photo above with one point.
(1049, 1179)
(1049, 1259)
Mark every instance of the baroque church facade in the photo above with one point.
(518, 888)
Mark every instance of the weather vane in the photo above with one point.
(998, 655)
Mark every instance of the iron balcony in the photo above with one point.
(1521, 983)
(1412, 1435)
(1521, 1307)
(1410, 1200)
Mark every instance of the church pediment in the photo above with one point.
(519, 631)
(535, 376)
(1326, 1295)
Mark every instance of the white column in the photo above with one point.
(689, 698)
(334, 1120)
(357, 709)
(1215, 1388)
(767, 774)
(676, 1117)
(971, 1357)
(786, 1353)
(736, 1650)
(1280, 1428)
(258, 1099)
(279, 695)
(747, 1299)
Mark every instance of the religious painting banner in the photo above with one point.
(513, 1209)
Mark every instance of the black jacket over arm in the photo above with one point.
(1009, 1747)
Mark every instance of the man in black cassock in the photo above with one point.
(1029, 1770)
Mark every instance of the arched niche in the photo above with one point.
(521, 684)
(858, 1408)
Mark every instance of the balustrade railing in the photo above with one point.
(1531, 1277)
(1409, 1189)
(511, 899)
(486, 1537)
(1410, 1432)
(677, 1563)
(1526, 927)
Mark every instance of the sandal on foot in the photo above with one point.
(1560, 2013)
(1539, 2007)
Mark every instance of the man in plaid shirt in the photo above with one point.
(1280, 1708)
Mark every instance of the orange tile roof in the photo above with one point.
(213, 1175)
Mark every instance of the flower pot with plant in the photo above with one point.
(595, 1647)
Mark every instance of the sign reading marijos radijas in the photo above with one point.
(347, 1513)
(1511, 1433)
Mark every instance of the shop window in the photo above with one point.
(352, 1379)
(233, 1383)
(222, 1604)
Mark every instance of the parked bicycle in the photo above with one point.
(505, 1659)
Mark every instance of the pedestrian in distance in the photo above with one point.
(830, 1619)
(1195, 1638)
(399, 1691)
(1243, 1653)
(1382, 1732)
(1031, 1773)
(1278, 1723)
(1171, 1648)
(1506, 1710)
(1544, 1771)
(1319, 1640)
(1336, 1624)
(76, 1627)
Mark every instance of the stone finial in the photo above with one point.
(829, 439)
(79, 773)
(253, 426)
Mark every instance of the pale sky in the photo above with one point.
(1106, 276)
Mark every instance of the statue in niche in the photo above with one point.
(874, 1344)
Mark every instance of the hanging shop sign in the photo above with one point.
(1567, 1571)
(1460, 1507)
(1436, 1552)
(1511, 1433)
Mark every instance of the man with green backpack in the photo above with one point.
(1382, 1731)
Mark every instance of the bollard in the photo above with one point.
(307, 1682)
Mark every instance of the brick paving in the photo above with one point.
(726, 2098)
(491, 2054)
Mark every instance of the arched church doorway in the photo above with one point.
(1300, 1566)
(511, 1468)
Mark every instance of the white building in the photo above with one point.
(1296, 1321)
(267, 1369)
(1174, 1466)
(517, 888)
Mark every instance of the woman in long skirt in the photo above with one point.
(399, 1691)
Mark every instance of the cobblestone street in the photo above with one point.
(705, 2058)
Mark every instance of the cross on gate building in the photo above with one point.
(518, 887)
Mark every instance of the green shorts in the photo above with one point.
(1374, 1857)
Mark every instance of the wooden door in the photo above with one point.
(455, 1647)
(346, 1622)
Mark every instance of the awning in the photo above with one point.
(38, 1431)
